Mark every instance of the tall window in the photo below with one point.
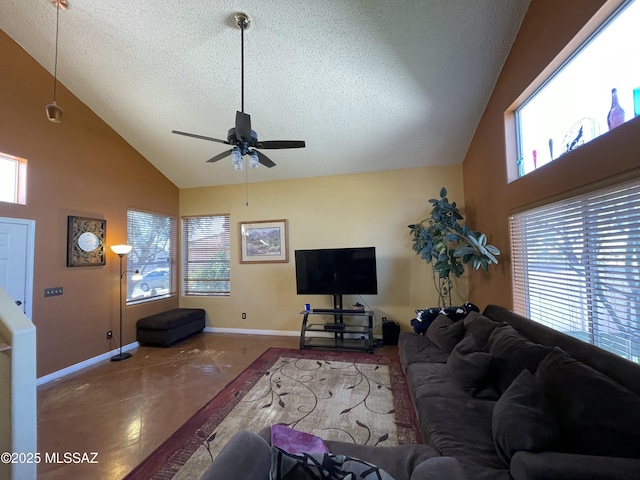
(596, 90)
(13, 179)
(206, 255)
(153, 237)
(576, 267)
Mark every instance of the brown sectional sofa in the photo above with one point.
(498, 397)
(510, 398)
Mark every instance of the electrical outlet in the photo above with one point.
(244, 316)
(109, 335)
(52, 292)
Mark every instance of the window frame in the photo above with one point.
(572, 272)
(599, 21)
(210, 250)
(19, 195)
(138, 259)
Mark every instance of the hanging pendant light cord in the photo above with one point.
(55, 63)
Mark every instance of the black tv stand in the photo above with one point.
(335, 327)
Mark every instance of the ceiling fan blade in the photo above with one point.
(220, 156)
(274, 144)
(264, 160)
(201, 137)
(243, 126)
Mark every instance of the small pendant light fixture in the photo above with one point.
(54, 112)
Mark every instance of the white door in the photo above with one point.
(16, 260)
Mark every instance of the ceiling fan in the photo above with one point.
(241, 137)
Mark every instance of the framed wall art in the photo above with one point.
(264, 241)
(85, 241)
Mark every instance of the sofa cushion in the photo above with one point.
(445, 333)
(512, 353)
(479, 327)
(596, 415)
(471, 369)
(432, 380)
(461, 428)
(417, 348)
(522, 420)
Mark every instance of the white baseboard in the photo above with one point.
(86, 363)
(247, 331)
(280, 333)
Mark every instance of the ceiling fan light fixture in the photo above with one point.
(254, 161)
(236, 159)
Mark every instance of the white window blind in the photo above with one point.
(576, 267)
(206, 255)
(153, 238)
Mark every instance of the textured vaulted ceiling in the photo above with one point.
(369, 84)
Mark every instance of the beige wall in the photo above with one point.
(548, 27)
(79, 167)
(371, 209)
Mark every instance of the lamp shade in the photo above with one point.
(54, 113)
(121, 249)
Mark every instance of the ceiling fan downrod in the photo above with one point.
(243, 22)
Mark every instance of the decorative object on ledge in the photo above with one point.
(583, 131)
(264, 241)
(615, 117)
(54, 112)
(85, 241)
(441, 240)
(121, 251)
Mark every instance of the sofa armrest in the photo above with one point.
(439, 468)
(568, 466)
(246, 456)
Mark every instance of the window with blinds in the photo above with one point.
(206, 255)
(576, 267)
(153, 238)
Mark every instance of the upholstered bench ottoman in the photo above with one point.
(166, 328)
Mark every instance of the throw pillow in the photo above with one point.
(480, 327)
(425, 316)
(294, 441)
(423, 319)
(596, 415)
(444, 333)
(312, 466)
(512, 353)
(522, 420)
(470, 368)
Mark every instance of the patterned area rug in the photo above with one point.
(351, 397)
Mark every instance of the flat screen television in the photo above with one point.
(336, 271)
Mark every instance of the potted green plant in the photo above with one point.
(447, 245)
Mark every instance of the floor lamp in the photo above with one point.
(121, 251)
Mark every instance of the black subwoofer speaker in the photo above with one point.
(390, 333)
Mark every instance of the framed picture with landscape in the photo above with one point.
(264, 241)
